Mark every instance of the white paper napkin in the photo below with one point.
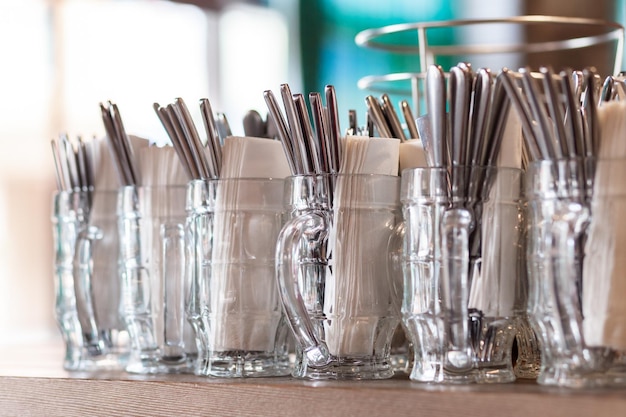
(412, 155)
(604, 268)
(510, 154)
(494, 285)
(356, 280)
(249, 157)
(245, 225)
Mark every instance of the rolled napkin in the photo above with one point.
(160, 166)
(357, 293)
(244, 307)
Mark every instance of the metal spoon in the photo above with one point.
(253, 124)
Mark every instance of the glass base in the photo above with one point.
(496, 374)
(616, 376)
(151, 364)
(480, 373)
(434, 373)
(528, 353)
(401, 363)
(111, 354)
(105, 362)
(583, 380)
(241, 364)
(346, 368)
(527, 370)
(570, 378)
(590, 367)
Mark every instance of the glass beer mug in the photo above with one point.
(333, 277)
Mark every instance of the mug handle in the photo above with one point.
(65, 227)
(83, 289)
(455, 271)
(311, 228)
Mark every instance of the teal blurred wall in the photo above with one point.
(329, 54)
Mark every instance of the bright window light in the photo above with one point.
(253, 58)
(133, 53)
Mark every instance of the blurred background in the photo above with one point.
(61, 58)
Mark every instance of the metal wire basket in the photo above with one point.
(589, 32)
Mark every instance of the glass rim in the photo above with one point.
(461, 167)
(336, 174)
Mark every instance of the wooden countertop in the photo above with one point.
(33, 383)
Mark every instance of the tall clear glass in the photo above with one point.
(572, 229)
(463, 262)
(151, 225)
(233, 301)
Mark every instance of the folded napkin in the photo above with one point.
(160, 166)
(494, 284)
(357, 293)
(365, 155)
(244, 306)
(510, 154)
(249, 157)
(604, 268)
(412, 155)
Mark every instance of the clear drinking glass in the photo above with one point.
(233, 297)
(603, 286)
(333, 275)
(151, 224)
(559, 250)
(463, 258)
(87, 280)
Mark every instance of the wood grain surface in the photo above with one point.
(32, 383)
